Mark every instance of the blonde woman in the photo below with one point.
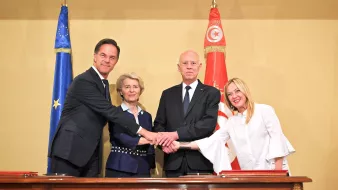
(131, 155)
(254, 130)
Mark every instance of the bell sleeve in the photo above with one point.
(214, 149)
(279, 146)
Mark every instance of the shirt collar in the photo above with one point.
(192, 85)
(244, 114)
(101, 77)
(126, 108)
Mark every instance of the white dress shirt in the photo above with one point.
(256, 144)
(191, 91)
(101, 77)
(126, 108)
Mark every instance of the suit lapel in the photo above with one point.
(197, 94)
(97, 80)
(178, 100)
(109, 96)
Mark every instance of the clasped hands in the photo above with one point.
(168, 141)
(165, 139)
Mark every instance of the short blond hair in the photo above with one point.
(132, 76)
(245, 90)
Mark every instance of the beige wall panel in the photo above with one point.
(289, 64)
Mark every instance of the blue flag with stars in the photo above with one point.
(63, 74)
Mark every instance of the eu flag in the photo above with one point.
(63, 74)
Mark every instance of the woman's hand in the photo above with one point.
(173, 147)
(279, 163)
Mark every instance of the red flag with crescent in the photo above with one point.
(216, 72)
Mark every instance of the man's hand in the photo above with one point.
(166, 138)
(150, 136)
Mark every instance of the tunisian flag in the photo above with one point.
(216, 72)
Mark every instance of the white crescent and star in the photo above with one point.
(214, 34)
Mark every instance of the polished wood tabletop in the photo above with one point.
(196, 182)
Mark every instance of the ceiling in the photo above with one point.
(169, 9)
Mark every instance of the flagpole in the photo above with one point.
(63, 73)
(64, 3)
(214, 4)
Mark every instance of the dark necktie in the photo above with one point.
(186, 99)
(106, 88)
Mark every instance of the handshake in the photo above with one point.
(165, 139)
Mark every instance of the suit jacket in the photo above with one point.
(199, 122)
(85, 113)
(125, 154)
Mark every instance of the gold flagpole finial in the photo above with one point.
(214, 4)
(64, 3)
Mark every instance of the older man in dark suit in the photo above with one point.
(186, 112)
(75, 146)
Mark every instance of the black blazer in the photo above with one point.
(85, 113)
(199, 122)
(124, 146)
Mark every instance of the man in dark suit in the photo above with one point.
(186, 112)
(75, 149)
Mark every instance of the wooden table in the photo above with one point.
(193, 183)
